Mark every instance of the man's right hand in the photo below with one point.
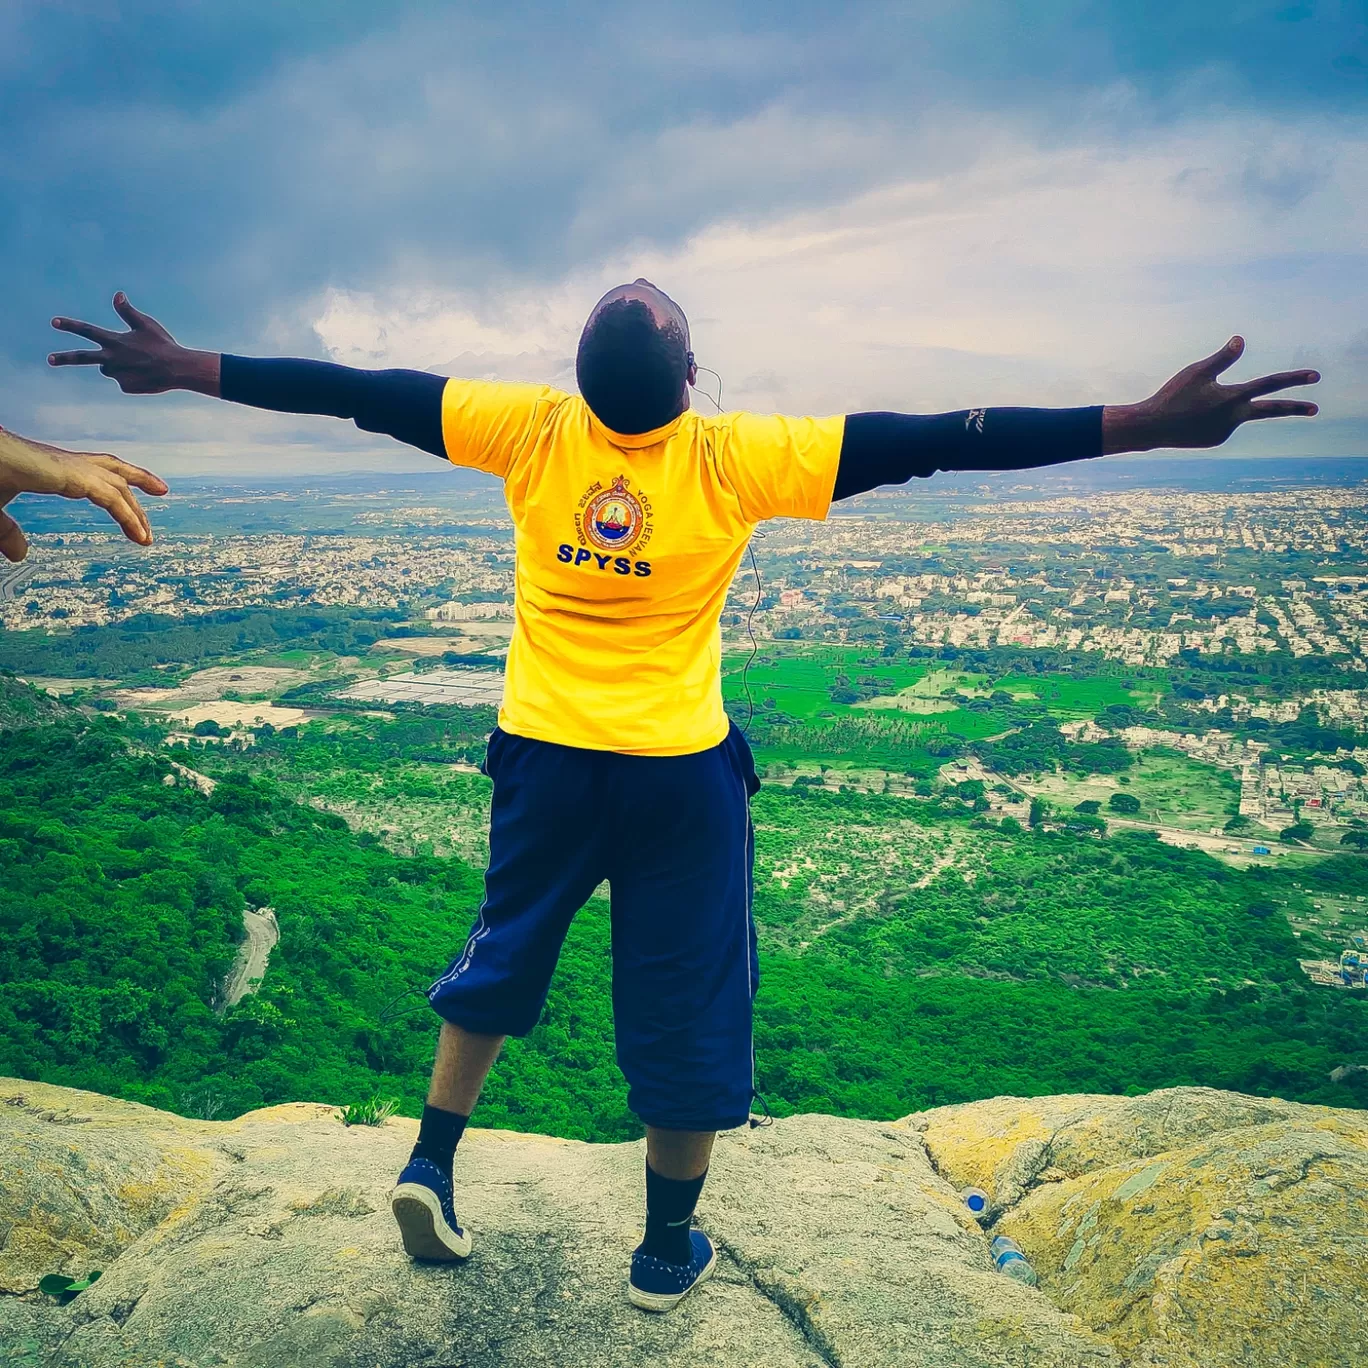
(144, 360)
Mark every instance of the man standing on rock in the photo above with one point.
(613, 757)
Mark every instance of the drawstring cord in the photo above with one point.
(768, 1119)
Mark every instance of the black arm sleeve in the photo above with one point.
(404, 404)
(888, 448)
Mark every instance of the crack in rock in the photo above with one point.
(788, 1306)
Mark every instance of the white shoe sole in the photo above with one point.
(422, 1226)
(663, 1301)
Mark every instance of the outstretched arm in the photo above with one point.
(28, 467)
(1192, 410)
(403, 404)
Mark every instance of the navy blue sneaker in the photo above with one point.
(422, 1205)
(656, 1285)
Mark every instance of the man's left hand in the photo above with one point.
(1195, 410)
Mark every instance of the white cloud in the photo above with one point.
(993, 260)
(1021, 273)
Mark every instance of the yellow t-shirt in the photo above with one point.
(625, 547)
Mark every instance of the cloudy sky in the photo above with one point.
(908, 205)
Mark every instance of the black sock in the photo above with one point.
(439, 1132)
(670, 1204)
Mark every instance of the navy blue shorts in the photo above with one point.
(672, 835)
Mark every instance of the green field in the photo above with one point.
(1173, 790)
(881, 741)
(910, 708)
(1067, 697)
(936, 691)
(799, 680)
(297, 659)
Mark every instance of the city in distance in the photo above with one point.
(1064, 791)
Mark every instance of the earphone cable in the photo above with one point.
(755, 645)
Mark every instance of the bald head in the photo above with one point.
(634, 366)
(662, 308)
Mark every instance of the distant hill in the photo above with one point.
(23, 706)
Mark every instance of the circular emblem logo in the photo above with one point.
(612, 520)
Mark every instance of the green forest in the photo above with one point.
(913, 953)
(154, 641)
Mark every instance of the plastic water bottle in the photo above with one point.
(1008, 1259)
(976, 1200)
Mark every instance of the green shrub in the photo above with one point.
(374, 1111)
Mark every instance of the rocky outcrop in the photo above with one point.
(1191, 1228)
(267, 1240)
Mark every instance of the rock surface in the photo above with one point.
(267, 1240)
(1187, 1227)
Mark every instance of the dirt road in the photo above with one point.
(263, 931)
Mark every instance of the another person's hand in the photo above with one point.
(1195, 410)
(144, 360)
(28, 467)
